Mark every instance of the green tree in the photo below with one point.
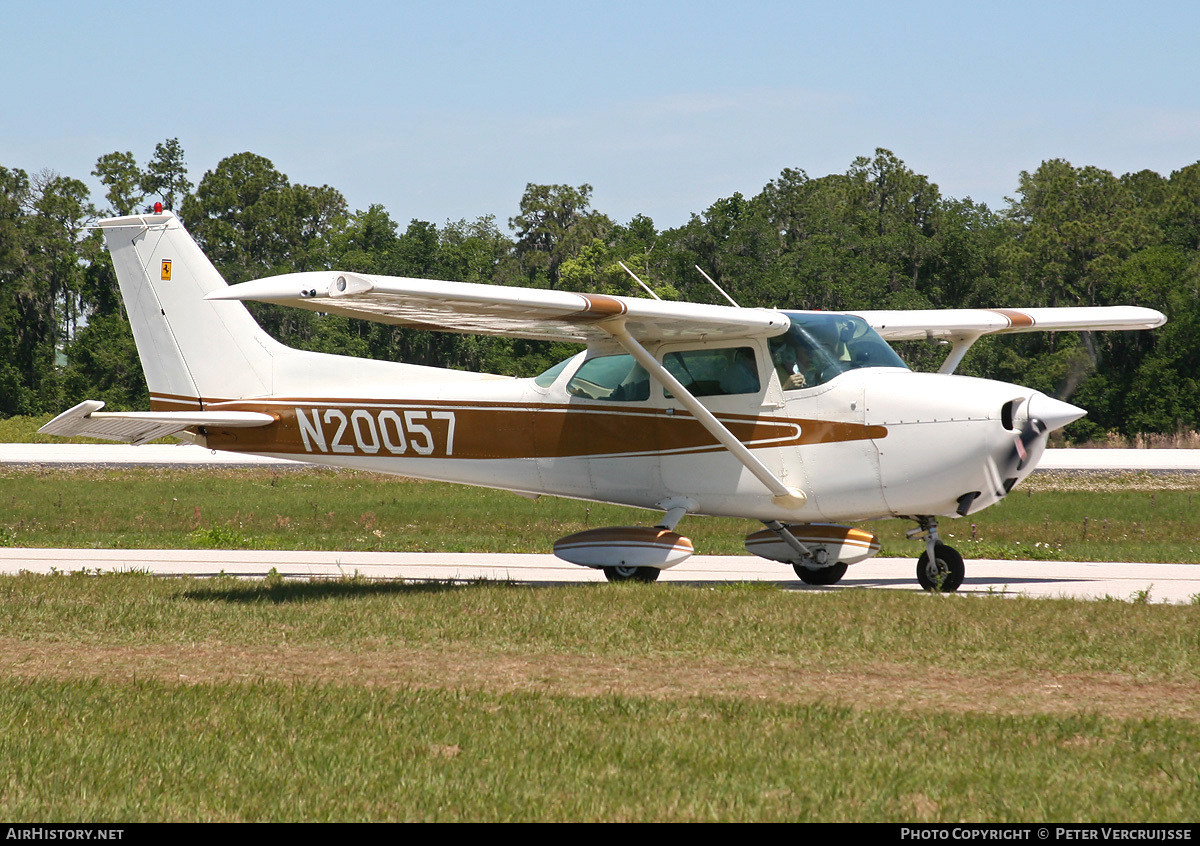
(252, 222)
(367, 243)
(1148, 381)
(119, 173)
(476, 251)
(166, 174)
(1075, 227)
(103, 364)
(418, 251)
(42, 229)
(555, 223)
(15, 394)
(898, 214)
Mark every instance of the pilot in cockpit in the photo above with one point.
(793, 360)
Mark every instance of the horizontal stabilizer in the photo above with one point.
(139, 427)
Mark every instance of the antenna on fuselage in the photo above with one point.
(639, 281)
(718, 287)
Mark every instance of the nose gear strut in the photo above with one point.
(940, 568)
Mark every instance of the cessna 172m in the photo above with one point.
(800, 420)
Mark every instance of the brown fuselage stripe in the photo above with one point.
(815, 533)
(417, 429)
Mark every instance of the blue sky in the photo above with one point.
(445, 111)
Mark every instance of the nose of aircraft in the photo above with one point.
(955, 444)
(1053, 413)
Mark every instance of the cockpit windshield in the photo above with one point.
(819, 346)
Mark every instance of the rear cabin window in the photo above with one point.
(715, 372)
(546, 378)
(610, 378)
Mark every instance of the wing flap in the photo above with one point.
(139, 427)
(501, 310)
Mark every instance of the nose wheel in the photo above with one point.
(940, 568)
(943, 572)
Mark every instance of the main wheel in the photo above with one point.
(945, 573)
(632, 574)
(821, 575)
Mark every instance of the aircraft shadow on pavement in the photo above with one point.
(251, 588)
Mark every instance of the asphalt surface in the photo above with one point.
(1174, 583)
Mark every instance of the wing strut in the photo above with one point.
(784, 496)
(961, 343)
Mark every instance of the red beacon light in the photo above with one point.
(158, 208)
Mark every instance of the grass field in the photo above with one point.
(1130, 517)
(128, 697)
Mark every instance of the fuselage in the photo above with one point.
(863, 437)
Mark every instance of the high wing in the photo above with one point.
(957, 322)
(964, 326)
(565, 316)
(502, 310)
(139, 427)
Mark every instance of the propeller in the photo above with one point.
(1043, 415)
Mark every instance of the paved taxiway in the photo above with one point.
(1176, 583)
(1160, 582)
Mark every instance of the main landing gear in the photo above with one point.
(940, 568)
(818, 552)
(630, 553)
(631, 574)
(830, 574)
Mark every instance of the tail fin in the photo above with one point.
(193, 351)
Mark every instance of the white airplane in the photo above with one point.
(801, 420)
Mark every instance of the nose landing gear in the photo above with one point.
(940, 568)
